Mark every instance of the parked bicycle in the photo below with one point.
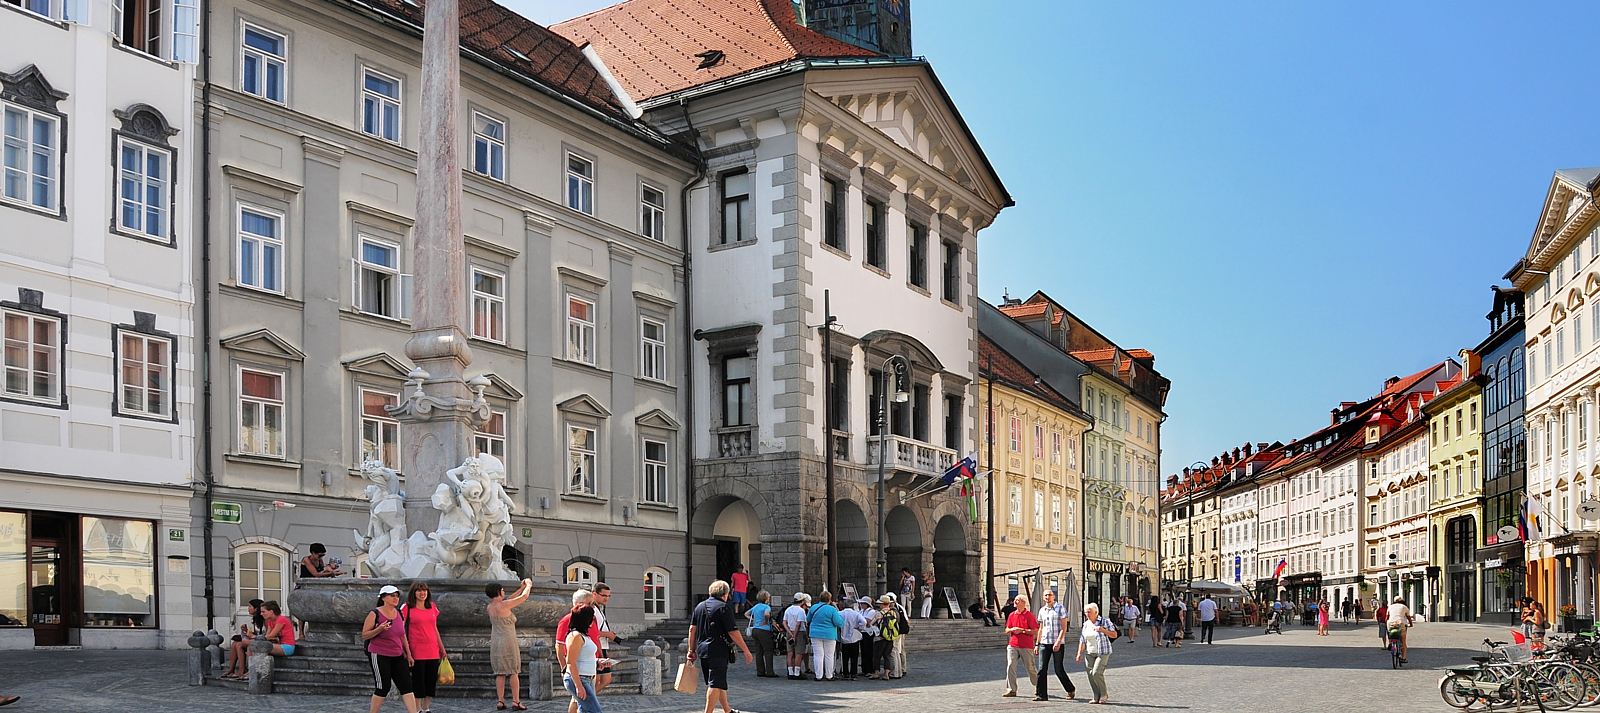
(1512, 675)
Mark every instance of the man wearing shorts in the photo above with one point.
(712, 635)
(794, 622)
(1400, 618)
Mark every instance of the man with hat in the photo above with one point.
(850, 638)
(794, 622)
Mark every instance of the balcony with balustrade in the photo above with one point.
(908, 458)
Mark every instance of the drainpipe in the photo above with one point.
(688, 340)
(205, 312)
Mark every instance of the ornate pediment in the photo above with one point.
(584, 404)
(656, 418)
(263, 342)
(145, 122)
(380, 365)
(28, 86)
(1568, 209)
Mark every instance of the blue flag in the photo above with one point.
(965, 468)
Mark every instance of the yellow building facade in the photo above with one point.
(1455, 488)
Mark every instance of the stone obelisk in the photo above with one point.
(440, 409)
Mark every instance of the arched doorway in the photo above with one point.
(737, 534)
(856, 558)
(950, 560)
(905, 546)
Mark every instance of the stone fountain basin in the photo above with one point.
(462, 604)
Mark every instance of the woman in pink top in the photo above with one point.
(427, 648)
(388, 650)
(280, 631)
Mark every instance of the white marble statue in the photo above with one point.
(385, 542)
(474, 524)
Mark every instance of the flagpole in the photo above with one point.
(831, 579)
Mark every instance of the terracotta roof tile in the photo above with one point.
(1093, 355)
(650, 45)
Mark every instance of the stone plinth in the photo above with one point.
(336, 607)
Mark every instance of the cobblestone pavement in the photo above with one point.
(1243, 671)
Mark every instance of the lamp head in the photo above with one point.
(901, 397)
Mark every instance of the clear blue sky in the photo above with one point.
(1286, 203)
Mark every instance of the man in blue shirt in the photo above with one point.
(712, 636)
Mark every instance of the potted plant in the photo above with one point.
(1569, 615)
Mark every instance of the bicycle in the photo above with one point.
(1395, 658)
(1511, 674)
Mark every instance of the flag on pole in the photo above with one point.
(1528, 523)
(963, 469)
(1282, 565)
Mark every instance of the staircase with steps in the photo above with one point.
(931, 635)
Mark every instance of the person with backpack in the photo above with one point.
(713, 634)
(388, 650)
(823, 626)
(891, 628)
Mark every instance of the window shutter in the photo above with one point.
(185, 30)
(355, 284)
(405, 297)
(116, 19)
(76, 11)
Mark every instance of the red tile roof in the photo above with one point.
(1093, 355)
(650, 46)
(494, 31)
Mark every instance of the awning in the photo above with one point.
(1218, 588)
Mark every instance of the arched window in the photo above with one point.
(657, 584)
(582, 574)
(260, 572)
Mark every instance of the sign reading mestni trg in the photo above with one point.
(226, 512)
(1106, 567)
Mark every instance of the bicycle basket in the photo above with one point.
(1517, 653)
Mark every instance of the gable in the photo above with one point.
(262, 342)
(501, 389)
(1568, 208)
(380, 365)
(584, 404)
(657, 418)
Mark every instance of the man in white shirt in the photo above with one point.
(1130, 615)
(1208, 619)
(850, 639)
(794, 621)
(1400, 617)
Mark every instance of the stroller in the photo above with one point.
(1275, 623)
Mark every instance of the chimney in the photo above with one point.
(1333, 417)
(1172, 480)
(1391, 381)
(1236, 454)
(1215, 462)
(1247, 450)
(1185, 474)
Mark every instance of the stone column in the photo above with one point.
(1585, 586)
(261, 667)
(439, 412)
(541, 667)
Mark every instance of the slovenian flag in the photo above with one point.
(964, 469)
(1282, 565)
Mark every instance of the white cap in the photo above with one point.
(388, 589)
(864, 600)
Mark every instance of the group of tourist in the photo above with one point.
(867, 635)
(1042, 636)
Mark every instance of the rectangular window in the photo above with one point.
(1016, 505)
(264, 64)
(1458, 423)
(580, 330)
(119, 572)
(952, 422)
(951, 272)
(1549, 363)
(31, 158)
(143, 181)
(261, 413)
(917, 262)
(1055, 513)
(1038, 510)
(581, 457)
(653, 213)
(145, 375)
(37, 7)
(833, 229)
(137, 24)
(652, 349)
(839, 419)
(1038, 440)
(260, 250)
(488, 146)
(736, 404)
(655, 472)
(488, 305)
(1055, 447)
(491, 436)
(1561, 347)
(380, 105)
(380, 432)
(1016, 434)
(378, 278)
(1577, 333)
(32, 357)
(736, 217)
(877, 241)
(1472, 413)
(580, 184)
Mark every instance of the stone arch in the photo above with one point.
(904, 532)
(856, 558)
(728, 531)
(950, 558)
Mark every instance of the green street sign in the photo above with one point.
(226, 512)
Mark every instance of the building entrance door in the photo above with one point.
(1461, 593)
(727, 558)
(52, 566)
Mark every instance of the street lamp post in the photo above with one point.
(902, 378)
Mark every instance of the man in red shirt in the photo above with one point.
(1024, 629)
(741, 584)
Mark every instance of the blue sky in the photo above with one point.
(1286, 203)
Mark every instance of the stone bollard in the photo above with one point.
(215, 649)
(197, 658)
(649, 668)
(261, 667)
(541, 666)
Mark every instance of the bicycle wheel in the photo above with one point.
(1458, 692)
(1559, 685)
(1591, 680)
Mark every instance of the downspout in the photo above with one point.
(205, 311)
(688, 340)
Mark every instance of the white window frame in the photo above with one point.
(583, 464)
(1015, 501)
(1038, 510)
(242, 596)
(382, 115)
(1072, 517)
(1055, 513)
(652, 216)
(261, 242)
(581, 334)
(51, 352)
(492, 306)
(162, 374)
(580, 184)
(652, 352)
(142, 184)
(656, 473)
(262, 404)
(34, 184)
(488, 150)
(394, 300)
(487, 440)
(385, 427)
(264, 60)
(582, 574)
(657, 593)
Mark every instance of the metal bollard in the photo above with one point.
(541, 666)
(196, 672)
(649, 668)
(215, 649)
(261, 667)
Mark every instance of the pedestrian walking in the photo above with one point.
(823, 625)
(1208, 619)
(427, 648)
(603, 635)
(1053, 628)
(1172, 622)
(388, 650)
(713, 634)
(1344, 610)
(1322, 617)
(741, 584)
(581, 599)
(1381, 615)
(1023, 627)
(1130, 617)
(855, 626)
(505, 656)
(794, 624)
(1155, 618)
(582, 663)
(761, 632)
(1095, 643)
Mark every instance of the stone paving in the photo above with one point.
(1243, 671)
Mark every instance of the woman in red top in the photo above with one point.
(427, 647)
